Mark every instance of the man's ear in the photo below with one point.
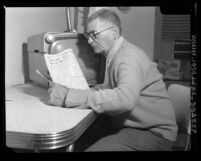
(115, 32)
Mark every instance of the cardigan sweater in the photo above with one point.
(133, 93)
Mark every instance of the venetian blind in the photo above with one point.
(175, 27)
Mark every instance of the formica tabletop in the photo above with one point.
(33, 124)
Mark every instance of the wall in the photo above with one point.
(162, 48)
(137, 24)
(20, 24)
(138, 27)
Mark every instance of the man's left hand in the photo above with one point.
(57, 94)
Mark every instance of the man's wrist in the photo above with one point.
(64, 99)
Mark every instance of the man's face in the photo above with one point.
(100, 36)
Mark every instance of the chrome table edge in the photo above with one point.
(48, 141)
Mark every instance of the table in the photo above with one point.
(33, 124)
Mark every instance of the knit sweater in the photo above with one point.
(133, 93)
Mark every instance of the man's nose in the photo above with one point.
(90, 40)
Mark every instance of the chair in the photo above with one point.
(180, 98)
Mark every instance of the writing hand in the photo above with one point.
(57, 94)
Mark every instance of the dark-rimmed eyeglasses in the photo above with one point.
(93, 34)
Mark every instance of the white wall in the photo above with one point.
(138, 27)
(20, 24)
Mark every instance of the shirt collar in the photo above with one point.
(114, 49)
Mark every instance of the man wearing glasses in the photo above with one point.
(133, 94)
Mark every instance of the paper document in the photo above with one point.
(64, 69)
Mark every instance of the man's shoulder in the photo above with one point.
(131, 54)
(130, 50)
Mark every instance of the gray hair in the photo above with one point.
(107, 16)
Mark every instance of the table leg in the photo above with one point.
(70, 148)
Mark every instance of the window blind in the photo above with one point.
(175, 27)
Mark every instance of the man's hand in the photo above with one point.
(57, 94)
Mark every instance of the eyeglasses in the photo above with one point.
(93, 34)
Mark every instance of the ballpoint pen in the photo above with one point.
(43, 76)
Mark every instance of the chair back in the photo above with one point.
(180, 98)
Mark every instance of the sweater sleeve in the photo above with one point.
(127, 75)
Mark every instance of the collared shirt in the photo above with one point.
(113, 51)
(111, 55)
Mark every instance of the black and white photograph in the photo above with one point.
(100, 78)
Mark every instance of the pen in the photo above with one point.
(42, 75)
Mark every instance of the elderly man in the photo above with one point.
(133, 93)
